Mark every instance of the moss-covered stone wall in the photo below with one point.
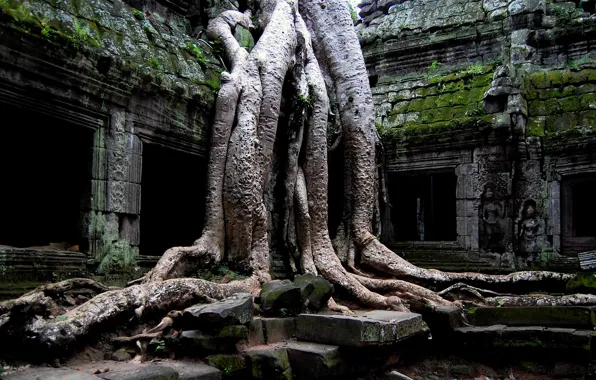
(434, 108)
(501, 94)
(561, 103)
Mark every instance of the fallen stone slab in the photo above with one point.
(256, 334)
(318, 294)
(315, 361)
(374, 328)
(232, 365)
(142, 372)
(47, 373)
(218, 341)
(192, 371)
(527, 340)
(282, 298)
(550, 316)
(269, 363)
(278, 329)
(234, 310)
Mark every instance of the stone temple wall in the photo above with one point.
(500, 95)
(131, 76)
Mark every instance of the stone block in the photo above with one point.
(278, 329)
(315, 361)
(234, 310)
(222, 340)
(229, 364)
(532, 316)
(269, 363)
(192, 371)
(282, 297)
(150, 372)
(374, 328)
(256, 335)
(321, 291)
(49, 374)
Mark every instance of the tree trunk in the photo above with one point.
(328, 65)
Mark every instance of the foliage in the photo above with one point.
(155, 64)
(219, 273)
(196, 51)
(139, 15)
(435, 65)
(82, 35)
(353, 13)
(585, 60)
(473, 70)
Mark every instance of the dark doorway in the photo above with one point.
(423, 206)
(172, 200)
(577, 214)
(44, 171)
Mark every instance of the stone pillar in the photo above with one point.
(112, 220)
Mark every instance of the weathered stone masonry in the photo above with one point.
(499, 94)
(132, 77)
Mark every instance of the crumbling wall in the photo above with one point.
(499, 92)
(134, 76)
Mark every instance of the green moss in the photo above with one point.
(451, 130)
(587, 102)
(570, 104)
(227, 363)
(416, 105)
(543, 107)
(535, 127)
(139, 15)
(561, 122)
(582, 283)
(540, 80)
(554, 77)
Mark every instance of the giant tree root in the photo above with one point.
(381, 258)
(64, 332)
(40, 299)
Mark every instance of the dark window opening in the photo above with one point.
(423, 206)
(372, 80)
(172, 200)
(44, 176)
(577, 213)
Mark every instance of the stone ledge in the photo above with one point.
(371, 329)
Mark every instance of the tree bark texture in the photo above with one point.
(312, 46)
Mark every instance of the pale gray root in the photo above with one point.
(251, 143)
(40, 299)
(154, 297)
(316, 175)
(295, 140)
(542, 300)
(461, 285)
(376, 255)
(209, 248)
(404, 290)
(303, 223)
(334, 306)
(154, 332)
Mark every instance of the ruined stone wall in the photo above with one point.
(500, 93)
(133, 76)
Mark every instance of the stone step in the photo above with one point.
(109, 370)
(315, 361)
(526, 340)
(374, 328)
(555, 316)
(269, 362)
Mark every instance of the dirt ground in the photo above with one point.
(452, 367)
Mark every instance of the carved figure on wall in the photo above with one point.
(493, 212)
(529, 228)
